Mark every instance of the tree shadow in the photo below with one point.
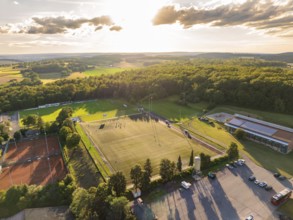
(226, 208)
(206, 201)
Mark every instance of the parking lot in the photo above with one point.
(230, 196)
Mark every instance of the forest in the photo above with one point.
(247, 83)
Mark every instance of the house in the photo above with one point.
(278, 137)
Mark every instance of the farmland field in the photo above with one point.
(87, 111)
(103, 71)
(7, 73)
(128, 141)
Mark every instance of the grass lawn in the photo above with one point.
(173, 111)
(103, 71)
(87, 111)
(287, 208)
(269, 158)
(127, 142)
(103, 168)
(214, 134)
(282, 119)
(260, 154)
(81, 167)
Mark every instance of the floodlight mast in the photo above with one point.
(48, 158)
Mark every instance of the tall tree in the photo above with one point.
(232, 151)
(73, 140)
(64, 114)
(119, 209)
(81, 204)
(191, 159)
(30, 120)
(179, 164)
(101, 204)
(117, 182)
(205, 161)
(64, 132)
(148, 167)
(239, 133)
(136, 176)
(167, 170)
(17, 135)
(145, 180)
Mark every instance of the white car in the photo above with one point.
(241, 161)
(250, 217)
(185, 184)
(229, 166)
(257, 182)
(262, 184)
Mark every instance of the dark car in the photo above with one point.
(268, 188)
(277, 174)
(211, 175)
(281, 178)
(232, 164)
(251, 178)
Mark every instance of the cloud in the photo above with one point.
(3, 31)
(258, 14)
(59, 25)
(16, 3)
(115, 28)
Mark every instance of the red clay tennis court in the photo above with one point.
(29, 162)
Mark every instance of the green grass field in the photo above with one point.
(214, 134)
(287, 208)
(127, 142)
(87, 111)
(262, 155)
(173, 111)
(98, 71)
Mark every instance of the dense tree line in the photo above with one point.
(20, 197)
(217, 82)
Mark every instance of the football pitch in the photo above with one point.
(128, 141)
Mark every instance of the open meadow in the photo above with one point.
(127, 141)
(87, 110)
(98, 71)
(7, 73)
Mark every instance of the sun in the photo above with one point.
(138, 32)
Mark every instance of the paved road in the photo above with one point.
(230, 196)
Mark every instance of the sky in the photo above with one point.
(76, 26)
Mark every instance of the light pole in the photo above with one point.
(48, 158)
(15, 143)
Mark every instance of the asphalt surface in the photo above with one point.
(230, 196)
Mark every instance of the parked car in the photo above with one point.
(251, 178)
(262, 184)
(241, 161)
(281, 177)
(229, 166)
(211, 175)
(185, 184)
(250, 217)
(268, 188)
(256, 182)
(277, 174)
(232, 164)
